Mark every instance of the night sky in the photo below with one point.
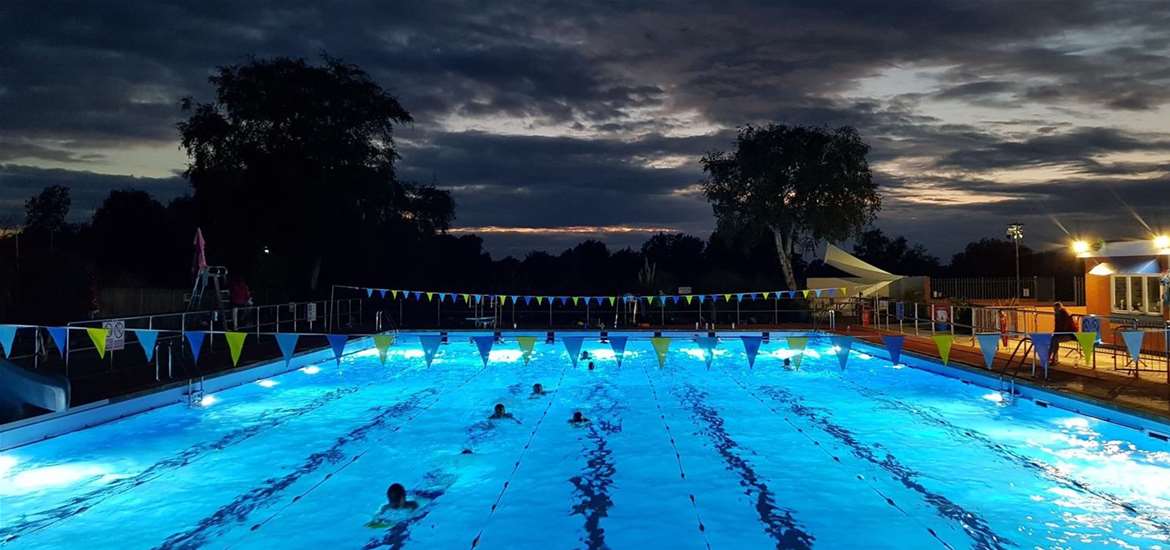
(556, 122)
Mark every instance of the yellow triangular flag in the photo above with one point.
(661, 346)
(526, 345)
(430, 295)
(805, 293)
(689, 298)
(797, 344)
(503, 299)
(394, 293)
(98, 335)
(575, 298)
(235, 342)
(612, 299)
(539, 300)
(382, 342)
(467, 298)
(766, 294)
(944, 341)
(843, 292)
(1088, 341)
(726, 297)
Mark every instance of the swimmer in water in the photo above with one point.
(396, 498)
(591, 367)
(500, 413)
(578, 419)
(788, 363)
(537, 389)
(584, 355)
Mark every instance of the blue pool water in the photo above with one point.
(875, 456)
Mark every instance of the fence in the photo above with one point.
(1043, 289)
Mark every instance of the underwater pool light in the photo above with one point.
(208, 400)
(311, 369)
(267, 383)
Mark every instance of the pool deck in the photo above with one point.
(1147, 392)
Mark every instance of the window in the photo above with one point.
(1137, 294)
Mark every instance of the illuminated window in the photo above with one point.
(1137, 294)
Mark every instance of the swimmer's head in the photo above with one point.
(787, 361)
(466, 451)
(577, 416)
(396, 495)
(591, 365)
(537, 388)
(500, 410)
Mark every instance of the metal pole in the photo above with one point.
(1019, 291)
(329, 320)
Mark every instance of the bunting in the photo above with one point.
(707, 344)
(484, 344)
(661, 346)
(797, 344)
(1088, 341)
(194, 340)
(1133, 343)
(235, 341)
(843, 345)
(618, 343)
(8, 334)
(527, 343)
(1042, 345)
(60, 336)
(751, 347)
(689, 298)
(573, 347)
(894, 346)
(430, 345)
(382, 343)
(988, 344)
(943, 342)
(148, 339)
(287, 341)
(337, 342)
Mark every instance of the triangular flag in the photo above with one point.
(751, 347)
(484, 344)
(382, 343)
(817, 293)
(739, 297)
(689, 298)
(843, 345)
(1042, 345)
(726, 297)
(417, 295)
(612, 299)
(573, 347)
(369, 293)
(843, 292)
(805, 293)
(797, 344)
(430, 345)
(563, 300)
(988, 344)
(1088, 341)
(503, 299)
(194, 339)
(60, 337)
(831, 292)
(430, 295)
(943, 342)
(235, 342)
(337, 342)
(618, 343)
(1133, 343)
(527, 343)
(707, 344)
(894, 347)
(766, 294)
(148, 339)
(701, 297)
(394, 294)
(575, 299)
(287, 341)
(382, 293)
(540, 300)
(8, 334)
(467, 298)
(661, 346)
(527, 300)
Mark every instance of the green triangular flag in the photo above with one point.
(382, 342)
(394, 294)
(575, 298)
(661, 346)
(526, 345)
(1088, 341)
(944, 341)
(766, 294)
(612, 299)
(98, 335)
(797, 344)
(539, 300)
(689, 298)
(726, 297)
(805, 293)
(235, 342)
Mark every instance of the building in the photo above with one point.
(1126, 286)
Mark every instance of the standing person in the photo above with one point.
(1063, 326)
(240, 296)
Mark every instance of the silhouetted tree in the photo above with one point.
(987, 257)
(45, 214)
(895, 255)
(803, 184)
(300, 159)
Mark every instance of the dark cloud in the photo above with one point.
(88, 189)
(624, 81)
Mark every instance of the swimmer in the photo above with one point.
(396, 498)
(584, 355)
(788, 363)
(537, 389)
(465, 451)
(500, 413)
(578, 419)
(591, 367)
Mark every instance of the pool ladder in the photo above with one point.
(195, 393)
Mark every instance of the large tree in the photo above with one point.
(804, 184)
(895, 254)
(298, 160)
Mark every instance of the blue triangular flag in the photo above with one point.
(430, 345)
(382, 293)
(417, 294)
(147, 338)
(988, 344)
(701, 298)
(707, 344)
(60, 337)
(7, 335)
(751, 346)
(843, 345)
(527, 300)
(369, 293)
(1042, 344)
(484, 343)
(674, 299)
(195, 340)
(894, 346)
(573, 347)
(337, 342)
(1133, 343)
(563, 300)
(618, 343)
(288, 344)
(739, 297)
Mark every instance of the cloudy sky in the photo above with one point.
(553, 122)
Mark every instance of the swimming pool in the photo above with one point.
(874, 456)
